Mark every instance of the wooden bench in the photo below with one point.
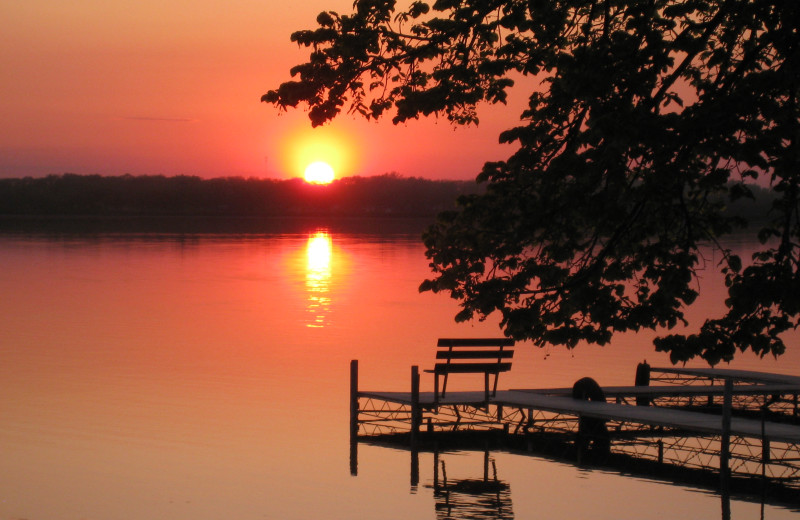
(487, 356)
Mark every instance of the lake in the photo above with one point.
(198, 376)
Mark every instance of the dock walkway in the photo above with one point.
(716, 374)
(618, 392)
(651, 416)
(543, 400)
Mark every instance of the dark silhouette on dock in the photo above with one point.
(592, 432)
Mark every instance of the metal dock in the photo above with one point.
(736, 423)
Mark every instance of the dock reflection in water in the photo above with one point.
(471, 498)
(483, 497)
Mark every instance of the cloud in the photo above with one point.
(159, 119)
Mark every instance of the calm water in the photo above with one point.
(206, 377)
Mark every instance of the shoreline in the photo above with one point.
(205, 224)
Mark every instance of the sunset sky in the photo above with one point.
(173, 87)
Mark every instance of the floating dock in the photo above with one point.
(737, 423)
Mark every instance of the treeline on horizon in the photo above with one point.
(388, 195)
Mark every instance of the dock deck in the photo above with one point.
(618, 392)
(717, 374)
(555, 402)
(652, 416)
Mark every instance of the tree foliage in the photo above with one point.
(648, 118)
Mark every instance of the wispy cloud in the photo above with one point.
(158, 119)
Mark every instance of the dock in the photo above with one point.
(734, 423)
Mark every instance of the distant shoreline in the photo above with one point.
(58, 197)
(208, 225)
(72, 203)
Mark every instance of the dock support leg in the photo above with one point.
(486, 462)
(436, 469)
(724, 456)
(414, 470)
(354, 398)
(416, 415)
(354, 417)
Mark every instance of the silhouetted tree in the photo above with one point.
(648, 117)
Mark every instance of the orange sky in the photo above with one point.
(173, 87)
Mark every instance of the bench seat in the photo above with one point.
(487, 356)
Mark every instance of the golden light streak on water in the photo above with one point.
(319, 252)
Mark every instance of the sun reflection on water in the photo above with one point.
(318, 277)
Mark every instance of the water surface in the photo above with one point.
(205, 376)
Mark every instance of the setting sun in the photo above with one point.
(303, 146)
(319, 172)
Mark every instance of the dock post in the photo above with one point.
(416, 416)
(354, 398)
(486, 462)
(435, 468)
(414, 470)
(725, 448)
(354, 417)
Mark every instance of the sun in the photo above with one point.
(319, 172)
(301, 145)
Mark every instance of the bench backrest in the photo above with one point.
(474, 355)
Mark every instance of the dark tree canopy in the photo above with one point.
(648, 119)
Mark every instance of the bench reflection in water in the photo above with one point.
(481, 496)
(471, 498)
